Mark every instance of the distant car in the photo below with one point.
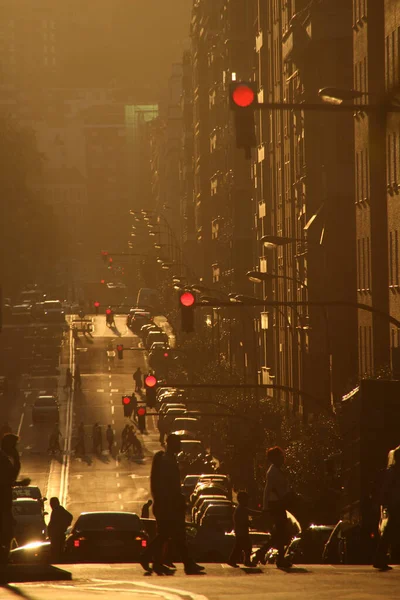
(155, 336)
(21, 313)
(138, 319)
(32, 296)
(166, 406)
(49, 310)
(185, 435)
(207, 489)
(188, 485)
(349, 544)
(192, 447)
(106, 536)
(185, 423)
(29, 520)
(29, 491)
(45, 408)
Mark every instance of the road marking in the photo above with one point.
(20, 424)
(167, 592)
(122, 507)
(99, 390)
(114, 390)
(116, 474)
(119, 496)
(118, 484)
(113, 423)
(112, 409)
(109, 377)
(109, 383)
(68, 431)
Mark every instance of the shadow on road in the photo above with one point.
(25, 573)
(115, 330)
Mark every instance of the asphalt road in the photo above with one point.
(220, 583)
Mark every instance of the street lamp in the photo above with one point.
(272, 241)
(259, 277)
(337, 96)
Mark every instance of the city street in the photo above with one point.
(220, 583)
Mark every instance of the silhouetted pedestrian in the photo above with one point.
(80, 445)
(124, 438)
(390, 511)
(242, 547)
(60, 520)
(54, 441)
(137, 377)
(9, 469)
(169, 510)
(68, 379)
(97, 438)
(275, 490)
(146, 509)
(110, 438)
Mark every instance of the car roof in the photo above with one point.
(26, 500)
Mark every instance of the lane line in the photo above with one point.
(112, 409)
(65, 468)
(20, 424)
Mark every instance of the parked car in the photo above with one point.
(192, 448)
(188, 485)
(348, 544)
(218, 516)
(155, 336)
(204, 502)
(21, 313)
(106, 536)
(185, 423)
(49, 310)
(45, 408)
(139, 318)
(207, 489)
(29, 491)
(29, 520)
(309, 546)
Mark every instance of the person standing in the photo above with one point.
(97, 438)
(110, 438)
(68, 379)
(60, 520)
(146, 509)
(9, 469)
(80, 445)
(275, 490)
(137, 377)
(169, 510)
(241, 527)
(390, 511)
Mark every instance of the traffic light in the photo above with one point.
(120, 350)
(243, 101)
(128, 405)
(108, 311)
(150, 384)
(186, 303)
(141, 415)
(104, 255)
(110, 261)
(97, 306)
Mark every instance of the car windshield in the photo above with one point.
(27, 508)
(101, 521)
(191, 446)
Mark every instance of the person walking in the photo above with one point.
(275, 490)
(97, 439)
(389, 525)
(68, 379)
(110, 438)
(77, 377)
(80, 445)
(124, 438)
(54, 441)
(241, 526)
(9, 470)
(137, 377)
(146, 509)
(169, 510)
(60, 520)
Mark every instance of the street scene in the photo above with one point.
(199, 308)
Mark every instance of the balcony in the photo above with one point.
(294, 44)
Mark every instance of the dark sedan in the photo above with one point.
(106, 536)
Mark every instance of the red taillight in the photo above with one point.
(144, 543)
(109, 528)
(77, 543)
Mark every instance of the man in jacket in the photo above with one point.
(59, 522)
(169, 510)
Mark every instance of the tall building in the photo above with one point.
(376, 38)
(304, 202)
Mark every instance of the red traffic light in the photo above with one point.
(120, 347)
(96, 304)
(243, 95)
(126, 400)
(141, 411)
(108, 311)
(104, 253)
(187, 299)
(150, 381)
(102, 280)
(166, 354)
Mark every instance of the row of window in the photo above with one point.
(362, 176)
(392, 160)
(363, 264)
(365, 355)
(359, 12)
(392, 62)
(393, 258)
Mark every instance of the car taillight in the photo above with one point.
(144, 543)
(77, 543)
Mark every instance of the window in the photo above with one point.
(390, 259)
(368, 282)
(396, 258)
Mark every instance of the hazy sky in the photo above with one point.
(159, 31)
